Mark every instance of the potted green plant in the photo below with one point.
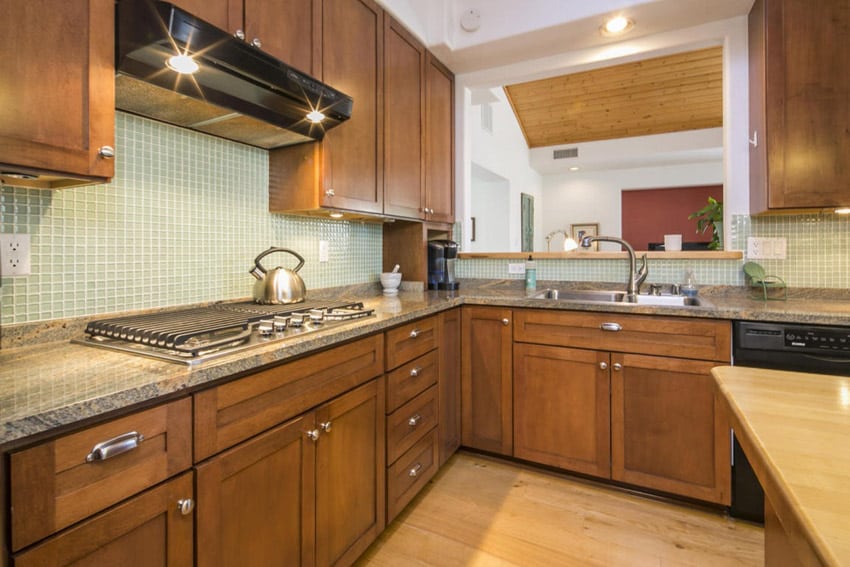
(711, 216)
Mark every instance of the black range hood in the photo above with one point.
(238, 92)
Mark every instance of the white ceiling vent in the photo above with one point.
(565, 153)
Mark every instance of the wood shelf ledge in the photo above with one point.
(575, 255)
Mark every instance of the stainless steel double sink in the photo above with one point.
(610, 296)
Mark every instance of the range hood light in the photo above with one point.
(843, 211)
(183, 64)
(335, 215)
(315, 116)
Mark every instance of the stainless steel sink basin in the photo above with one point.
(610, 296)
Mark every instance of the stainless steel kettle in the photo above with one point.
(278, 285)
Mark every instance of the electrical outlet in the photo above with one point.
(516, 268)
(324, 250)
(15, 255)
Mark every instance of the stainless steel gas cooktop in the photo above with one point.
(192, 336)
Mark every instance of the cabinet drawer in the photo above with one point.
(408, 380)
(701, 339)
(58, 483)
(243, 408)
(410, 422)
(409, 341)
(410, 473)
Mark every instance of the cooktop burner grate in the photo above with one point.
(192, 335)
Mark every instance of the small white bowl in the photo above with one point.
(390, 281)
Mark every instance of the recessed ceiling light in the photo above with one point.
(574, 168)
(617, 25)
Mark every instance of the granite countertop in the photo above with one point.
(795, 429)
(53, 384)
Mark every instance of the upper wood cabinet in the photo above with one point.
(345, 170)
(57, 107)
(439, 142)
(799, 104)
(284, 29)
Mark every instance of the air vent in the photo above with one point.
(565, 153)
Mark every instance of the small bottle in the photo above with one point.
(689, 288)
(530, 274)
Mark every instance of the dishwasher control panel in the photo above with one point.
(792, 337)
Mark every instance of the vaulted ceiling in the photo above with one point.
(673, 93)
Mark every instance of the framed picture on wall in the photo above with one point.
(579, 231)
(527, 221)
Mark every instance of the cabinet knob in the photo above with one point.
(603, 366)
(185, 506)
(239, 34)
(325, 426)
(414, 421)
(414, 333)
(329, 193)
(415, 372)
(313, 434)
(106, 152)
(506, 321)
(414, 472)
(256, 42)
(754, 141)
(617, 367)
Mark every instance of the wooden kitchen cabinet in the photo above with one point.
(449, 384)
(148, 529)
(439, 142)
(666, 429)
(799, 105)
(307, 492)
(486, 379)
(562, 413)
(345, 170)
(284, 28)
(57, 117)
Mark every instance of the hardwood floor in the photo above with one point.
(483, 511)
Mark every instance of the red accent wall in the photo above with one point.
(652, 213)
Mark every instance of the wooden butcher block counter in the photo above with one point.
(795, 429)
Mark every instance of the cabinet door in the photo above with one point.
(449, 384)
(222, 14)
(403, 133)
(255, 501)
(804, 104)
(148, 529)
(288, 30)
(439, 136)
(486, 391)
(350, 473)
(58, 85)
(668, 431)
(562, 409)
(352, 62)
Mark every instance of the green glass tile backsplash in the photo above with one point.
(181, 222)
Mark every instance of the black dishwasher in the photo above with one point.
(817, 349)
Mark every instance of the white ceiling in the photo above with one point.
(512, 31)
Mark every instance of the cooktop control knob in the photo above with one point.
(280, 322)
(265, 328)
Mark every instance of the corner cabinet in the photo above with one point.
(57, 115)
(799, 105)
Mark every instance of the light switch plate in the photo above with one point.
(516, 268)
(15, 255)
(324, 251)
(763, 248)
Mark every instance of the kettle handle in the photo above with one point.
(262, 255)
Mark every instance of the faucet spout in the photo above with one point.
(636, 276)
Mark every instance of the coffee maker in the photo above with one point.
(442, 255)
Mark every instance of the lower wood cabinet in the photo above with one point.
(561, 408)
(149, 529)
(449, 384)
(308, 492)
(486, 379)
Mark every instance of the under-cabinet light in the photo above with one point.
(183, 64)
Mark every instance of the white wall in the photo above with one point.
(594, 196)
(504, 153)
(490, 208)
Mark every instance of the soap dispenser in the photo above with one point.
(530, 274)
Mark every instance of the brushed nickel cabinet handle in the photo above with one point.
(611, 327)
(326, 426)
(256, 42)
(414, 472)
(415, 372)
(106, 152)
(239, 34)
(414, 333)
(617, 367)
(414, 421)
(329, 193)
(115, 446)
(506, 321)
(603, 366)
(185, 506)
(313, 434)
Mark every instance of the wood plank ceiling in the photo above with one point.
(654, 96)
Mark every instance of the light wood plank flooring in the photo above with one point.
(483, 511)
